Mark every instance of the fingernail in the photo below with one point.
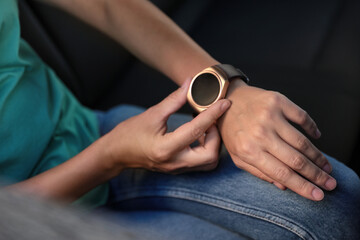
(330, 184)
(280, 186)
(225, 105)
(317, 133)
(317, 194)
(327, 168)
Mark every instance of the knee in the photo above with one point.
(348, 182)
(340, 209)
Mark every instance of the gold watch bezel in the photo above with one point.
(223, 84)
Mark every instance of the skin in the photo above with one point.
(140, 142)
(255, 129)
(265, 144)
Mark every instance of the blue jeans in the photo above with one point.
(227, 203)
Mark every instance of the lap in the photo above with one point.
(243, 203)
(164, 225)
(240, 202)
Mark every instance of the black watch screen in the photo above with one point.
(205, 89)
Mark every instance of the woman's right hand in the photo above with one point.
(143, 142)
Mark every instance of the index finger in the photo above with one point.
(191, 131)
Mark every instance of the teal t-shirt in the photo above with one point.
(41, 122)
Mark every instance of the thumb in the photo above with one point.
(173, 102)
(191, 131)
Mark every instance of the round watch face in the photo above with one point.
(205, 89)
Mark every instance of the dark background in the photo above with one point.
(307, 50)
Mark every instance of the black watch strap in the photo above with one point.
(231, 72)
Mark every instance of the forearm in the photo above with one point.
(146, 32)
(75, 177)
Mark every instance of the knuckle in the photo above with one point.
(259, 131)
(245, 148)
(312, 127)
(213, 117)
(266, 114)
(212, 165)
(302, 116)
(319, 177)
(298, 162)
(282, 173)
(274, 98)
(321, 160)
(214, 112)
(173, 96)
(160, 154)
(303, 144)
(303, 186)
(197, 132)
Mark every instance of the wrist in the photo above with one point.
(212, 84)
(107, 159)
(192, 67)
(234, 85)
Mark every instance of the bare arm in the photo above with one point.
(75, 177)
(146, 32)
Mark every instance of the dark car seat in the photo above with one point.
(308, 50)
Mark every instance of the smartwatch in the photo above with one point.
(211, 84)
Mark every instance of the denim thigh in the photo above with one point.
(238, 201)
